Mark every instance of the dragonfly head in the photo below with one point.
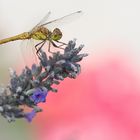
(56, 34)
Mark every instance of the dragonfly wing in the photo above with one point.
(28, 52)
(43, 20)
(62, 20)
(33, 50)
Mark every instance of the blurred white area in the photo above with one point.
(104, 21)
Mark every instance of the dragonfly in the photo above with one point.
(42, 33)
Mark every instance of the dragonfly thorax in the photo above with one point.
(42, 33)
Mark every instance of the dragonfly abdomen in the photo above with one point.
(22, 36)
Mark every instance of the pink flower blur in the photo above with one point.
(101, 104)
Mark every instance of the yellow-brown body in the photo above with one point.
(39, 33)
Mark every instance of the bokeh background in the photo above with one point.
(103, 103)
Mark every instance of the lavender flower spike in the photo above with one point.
(31, 87)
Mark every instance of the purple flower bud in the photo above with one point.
(29, 116)
(39, 96)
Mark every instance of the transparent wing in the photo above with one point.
(43, 20)
(28, 52)
(62, 20)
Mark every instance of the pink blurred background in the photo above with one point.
(101, 104)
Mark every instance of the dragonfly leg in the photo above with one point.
(61, 42)
(37, 50)
(51, 42)
(57, 46)
(49, 48)
(38, 44)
